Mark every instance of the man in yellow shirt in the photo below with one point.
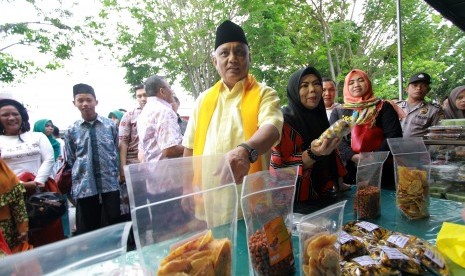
(238, 116)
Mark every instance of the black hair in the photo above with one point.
(56, 131)
(153, 85)
(25, 126)
(137, 87)
(328, 79)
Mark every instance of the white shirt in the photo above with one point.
(157, 128)
(34, 155)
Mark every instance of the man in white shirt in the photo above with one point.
(329, 95)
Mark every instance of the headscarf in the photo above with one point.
(39, 126)
(309, 123)
(25, 127)
(8, 178)
(366, 107)
(451, 110)
(117, 113)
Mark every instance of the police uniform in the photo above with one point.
(419, 118)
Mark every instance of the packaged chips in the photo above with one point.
(339, 129)
(388, 252)
(412, 167)
(412, 192)
(202, 255)
(318, 234)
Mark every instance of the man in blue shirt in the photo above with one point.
(92, 151)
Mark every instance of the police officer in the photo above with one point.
(420, 115)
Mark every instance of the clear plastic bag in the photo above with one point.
(85, 254)
(368, 196)
(338, 129)
(319, 232)
(412, 169)
(267, 201)
(184, 211)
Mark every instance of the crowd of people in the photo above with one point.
(238, 117)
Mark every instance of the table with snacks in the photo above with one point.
(427, 228)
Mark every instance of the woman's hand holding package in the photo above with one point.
(327, 146)
(320, 147)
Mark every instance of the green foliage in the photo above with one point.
(48, 35)
(176, 39)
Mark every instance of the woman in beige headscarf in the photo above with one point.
(455, 108)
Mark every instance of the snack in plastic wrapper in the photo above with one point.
(367, 202)
(424, 252)
(412, 192)
(339, 129)
(396, 259)
(365, 230)
(259, 249)
(321, 256)
(366, 266)
(202, 255)
(350, 246)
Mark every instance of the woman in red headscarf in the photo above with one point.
(375, 121)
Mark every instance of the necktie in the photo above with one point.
(95, 158)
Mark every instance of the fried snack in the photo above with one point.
(365, 230)
(258, 248)
(397, 259)
(321, 256)
(366, 266)
(425, 253)
(367, 202)
(412, 192)
(337, 130)
(203, 255)
(350, 246)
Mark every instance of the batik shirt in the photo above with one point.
(79, 151)
(158, 129)
(128, 132)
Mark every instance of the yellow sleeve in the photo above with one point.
(270, 110)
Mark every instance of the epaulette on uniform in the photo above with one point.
(438, 106)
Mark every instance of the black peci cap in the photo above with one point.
(229, 32)
(82, 88)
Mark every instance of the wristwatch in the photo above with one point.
(313, 156)
(253, 153)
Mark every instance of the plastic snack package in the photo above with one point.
(394, 258)
(350, 246)
(424, 252)
(184, 213)
(412, 168)
(267, 204)
(367, 201)
(339, 129)
(366, 230)
(365, 265)
(319, 231)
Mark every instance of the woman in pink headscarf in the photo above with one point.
(375, 121)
